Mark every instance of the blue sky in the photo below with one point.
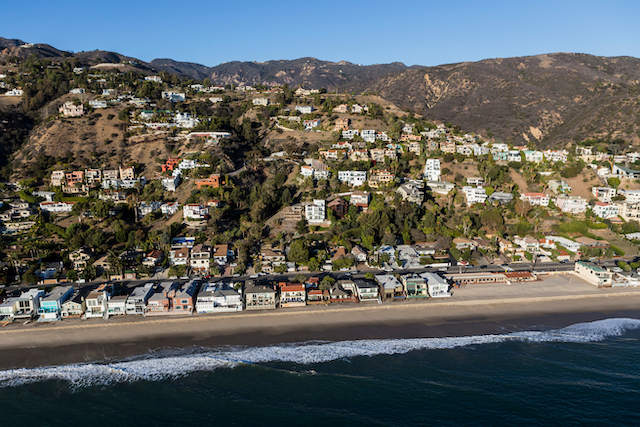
(365, 32)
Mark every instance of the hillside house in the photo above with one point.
(69, 109)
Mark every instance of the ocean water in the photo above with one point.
(586, 374)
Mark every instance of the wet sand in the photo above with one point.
(473, 310)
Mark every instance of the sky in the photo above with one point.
(363, 32)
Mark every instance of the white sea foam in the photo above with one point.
(160, 366)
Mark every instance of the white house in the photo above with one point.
(169, 208)
(174, 96)
(535, 199)
(568, 244)
(137, 300)
(56, 207)
(218, 298)
(432, 170)
(98, 103)
(604, 194)
(194, 211)
(436, 285)
(474, 195)
(605, 210)
(170, 184)
(533, 156)
(353, 178)
(631, 196)
(571, 204)
(315, 213)
(304, 109)
(593, 274)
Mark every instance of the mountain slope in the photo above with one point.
(547, 99)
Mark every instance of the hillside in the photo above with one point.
(546, 99)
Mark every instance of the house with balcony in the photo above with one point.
(474, 195)
(604, 194)
(353, 178)
(200, 258)
(80, 258)
(117, 305)
(218, 298)
(339, 207)
(432, 170)
(293, 295)
(96, 301)
(535, 199)
(605, 210)
(136, 302)
(159, 303)
(183, 299)
(571, 204)
(381, 178)
(153, 258)
(195, 212)
(437, 286)
(366, 290)
(179, 256)
(74, 306)
(222, 254)
(593, 274)
(51, 304)
(415, 286)
(315, 213)
(259, 297)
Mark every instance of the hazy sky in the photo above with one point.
(365, 32)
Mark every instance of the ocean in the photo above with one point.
(586, 374)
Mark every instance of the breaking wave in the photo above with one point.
(172, 364)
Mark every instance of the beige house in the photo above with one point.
(80, 257)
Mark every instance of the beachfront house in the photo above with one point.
(437, 286)
(183, 298)
(96, 301)
(391, 287)
(51, 304)
(260, 297)
(293, 295)
(593, 274)
(415, 286)
(218, 298)
(117, 305)
(366, 290)
(137, 300)
(27, 304)
(160, 302)
(74, 306)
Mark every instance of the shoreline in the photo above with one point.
(82, 342)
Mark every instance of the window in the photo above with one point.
(184, 301)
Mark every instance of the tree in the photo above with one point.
(326, 283)
(613, 181)
(299, 251)
(369, 276)
(72, 275)
(313, 265)
(89, 273)
(300, 278)
(522, 207)
(301, 226)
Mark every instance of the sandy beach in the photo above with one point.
(476, 309)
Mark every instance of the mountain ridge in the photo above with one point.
(546, 99)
